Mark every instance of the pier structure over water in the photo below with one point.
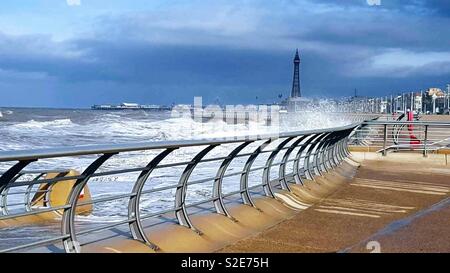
(323, 190)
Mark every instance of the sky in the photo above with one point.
(76, 53)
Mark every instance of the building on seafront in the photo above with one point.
(429, 101)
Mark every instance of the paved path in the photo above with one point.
(389, 206)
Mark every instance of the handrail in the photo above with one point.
(140, 146)
(311, 152)
(420, 135)
(393, 122)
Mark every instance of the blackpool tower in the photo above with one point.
(295, 93)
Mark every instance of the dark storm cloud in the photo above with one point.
(236, 54)
(382, 32)
(137, 62)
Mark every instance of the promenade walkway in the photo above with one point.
(400, 203)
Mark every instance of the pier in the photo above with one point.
(373, 183)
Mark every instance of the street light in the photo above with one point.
(448, 99)
(434, 103)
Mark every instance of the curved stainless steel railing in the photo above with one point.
(310, 153)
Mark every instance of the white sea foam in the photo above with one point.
(33, 125)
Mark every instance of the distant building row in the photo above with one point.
(431, 101)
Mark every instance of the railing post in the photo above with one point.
(341, 153)
(385, 140)
(322, 150)
(282, 170)
(180, 194)
(245, 193)
(67, 224)
(27, 199)
(219, 204)
(333, 157)
(329, 158)
(296, 165)
(8, 177)
(4, 196)
(316, 152)
(425, 154)
(137, 231)
(340, 148)
(335, 150)
(266, 173)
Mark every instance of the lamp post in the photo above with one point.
(448, 99)
(434, 103)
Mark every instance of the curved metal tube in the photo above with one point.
(47, 201)
(346, 149)
(331, 159)
(266, 173)
(316, 152)
(217, 188)
(180, 194)
(327, 165)
(136, 228)
(67, 225)
(319, 154)
(9, 177)
(319, 157)
(336, 151)
(282, 170)
(27, 200)
(328, 157)
(245, 193)
(297, 176)
(308, 167)
(337, 155)
(340, 150)
(4, 196)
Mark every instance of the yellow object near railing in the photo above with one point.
(47, 196)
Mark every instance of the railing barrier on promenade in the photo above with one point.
(289, 158)
(403, 136)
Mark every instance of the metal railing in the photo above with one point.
(308, 153)
(396, 136)
(37, 174)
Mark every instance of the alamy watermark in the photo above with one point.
(374, 2)
(249, 120)
(73, 245)
(73, 2)
(374, 247)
